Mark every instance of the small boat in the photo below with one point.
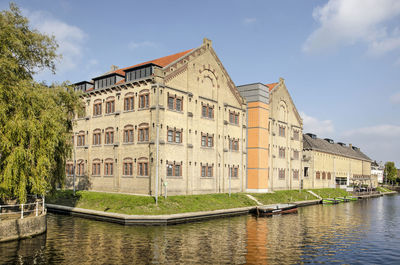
(351, 198)
(330, 201)
(342, 199)
(284, 208)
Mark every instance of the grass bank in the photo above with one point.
(145, 205)
(382, 189)
(283, 196)
(331, 192)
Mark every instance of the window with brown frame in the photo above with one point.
(96, 167)
(174, 135)
(175, 102)
(296, 155)
(128, 167)
(97, 108)
(329, 175)
(109, 167)
(97, 137)
(207, 140)
(207, 111)
(144, 99)
(143, 167)
(110, 105)
(128, 134)
(174, 169)
(69, 169)
(234, 171)
(296, 135)
(318, 175)
(109, 136)
(234, 144)
(81, 139)
(281, 152)
(282, 130)
(80, 168)
(129, 101)
(295, 174)
(233, 117)
(207, 170)
(281, 173)
(323, 175)
(143, 132)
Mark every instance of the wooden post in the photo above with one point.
(22, 211)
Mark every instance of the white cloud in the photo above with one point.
(69, 38)
(395, 98)
(134, 45)
(249, 20)
(346, 22)
(380, 142)
(322, 128)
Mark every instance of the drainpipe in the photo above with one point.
(157, 138)
(74, 161)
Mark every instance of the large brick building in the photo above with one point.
(188, 102)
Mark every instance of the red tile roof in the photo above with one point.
(271, 86)
(162, 62)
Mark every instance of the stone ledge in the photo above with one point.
(22, 228)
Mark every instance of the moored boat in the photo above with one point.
(343, 199)
(284, 208)
(351, 198)
(330, 201)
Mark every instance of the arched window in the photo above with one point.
(128, 134)
(174, 169)
(129, 101)
(96, 167)
(144, 99)
(318, 175)
(109, 136)
(143, 166)
(80, 167)
(97, 137)
(110, 105)
(128, 167)
(97, 107)
(109, 167)
(323, 175)
(143, 132)
(69, 168)
(81, 139)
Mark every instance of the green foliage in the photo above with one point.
(390, 171)
(35, 120)
(144, 205)
(331, 192)
(383, 189)
(283, 196)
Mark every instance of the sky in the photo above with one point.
(340, 58)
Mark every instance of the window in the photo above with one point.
(128, 167)
(234, 144)
(281, 152)
(96, 167)
(143, 132)
(318, 175)
(207, 140)
(69, 169)
(296, 155)
(207, 111)
(174, 169)
(233, 117)
(128, 134)
(144, 99)
(110, 105)
(281, 173)
(295, 174)
(80, 168)
(329, 175)
(323, 175)
(175, 102)
(129, 102)
(108, 81)
(97, 108)
(234, 171)
(174, 136)
(109, 167)
(143, 167)
(207, 170)
(97, 137)
(82, 113)
(81, 139)
(305, 171)
(109, 136)
(296, 135)
(282, 130)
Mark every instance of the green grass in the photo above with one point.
(145, 205)
(382, 189)
(331, 192)
(283, 196)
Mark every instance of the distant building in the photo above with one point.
(200, 115)
(274, 138)
(378, 169)
(328, 164)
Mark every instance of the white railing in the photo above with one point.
(22, 209)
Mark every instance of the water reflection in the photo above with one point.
(360, 232)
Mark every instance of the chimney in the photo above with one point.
(207, 42)
(351, 146)
(113, 68)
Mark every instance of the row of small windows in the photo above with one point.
(282, 152)
(282, 173)
(105, 82)
(282, 132)
(144, 101)
(139, 73)
(325, 175)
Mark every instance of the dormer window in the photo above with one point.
(82, 86)
(138, 73)
(107, 80)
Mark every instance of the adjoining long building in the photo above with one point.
(179, 119)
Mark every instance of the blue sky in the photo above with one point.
(340, 58)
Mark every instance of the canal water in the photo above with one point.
(363, 232)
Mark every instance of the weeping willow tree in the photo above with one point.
(35, 119)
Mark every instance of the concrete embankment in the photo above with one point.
(14, 229)
(168, 219)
